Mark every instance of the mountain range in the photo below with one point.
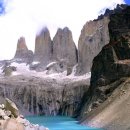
(90, 82)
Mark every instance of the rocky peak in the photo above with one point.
(94, 36)
(22, 44)
(21, 47)
(118, 9)
(22, 53)
(64, 47)
(43, 46)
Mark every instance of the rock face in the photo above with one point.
(43, 47)
(64, 47)
(114, 56)
(22, 53)
(112, 63)
(94, 36)
(44, 96)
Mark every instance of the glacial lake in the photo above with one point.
(58, 123)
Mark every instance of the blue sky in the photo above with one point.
(127, 1)
(1, 7)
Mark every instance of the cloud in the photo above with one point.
(27, 17)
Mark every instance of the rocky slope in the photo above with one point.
(114, 113)
(109, 68)
(44, 95)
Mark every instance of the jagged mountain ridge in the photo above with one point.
(61, 51)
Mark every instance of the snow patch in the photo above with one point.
(15, 73)
(1, 70)
(50, 64)
(21, 68)
(35, 63)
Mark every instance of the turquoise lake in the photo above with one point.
(58, 123)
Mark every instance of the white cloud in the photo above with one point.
(26, 17)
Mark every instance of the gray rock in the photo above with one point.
(64, 47)
(43, 47)
(22, 53)
(94, 36)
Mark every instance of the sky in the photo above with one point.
(27, 17)
(127, 1)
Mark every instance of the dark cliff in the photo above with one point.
(112, 65)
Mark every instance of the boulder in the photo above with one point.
(9, 105)
(7, 70)
(11, 124)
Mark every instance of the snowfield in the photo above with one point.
(23, 69)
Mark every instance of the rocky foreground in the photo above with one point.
(10, 118)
